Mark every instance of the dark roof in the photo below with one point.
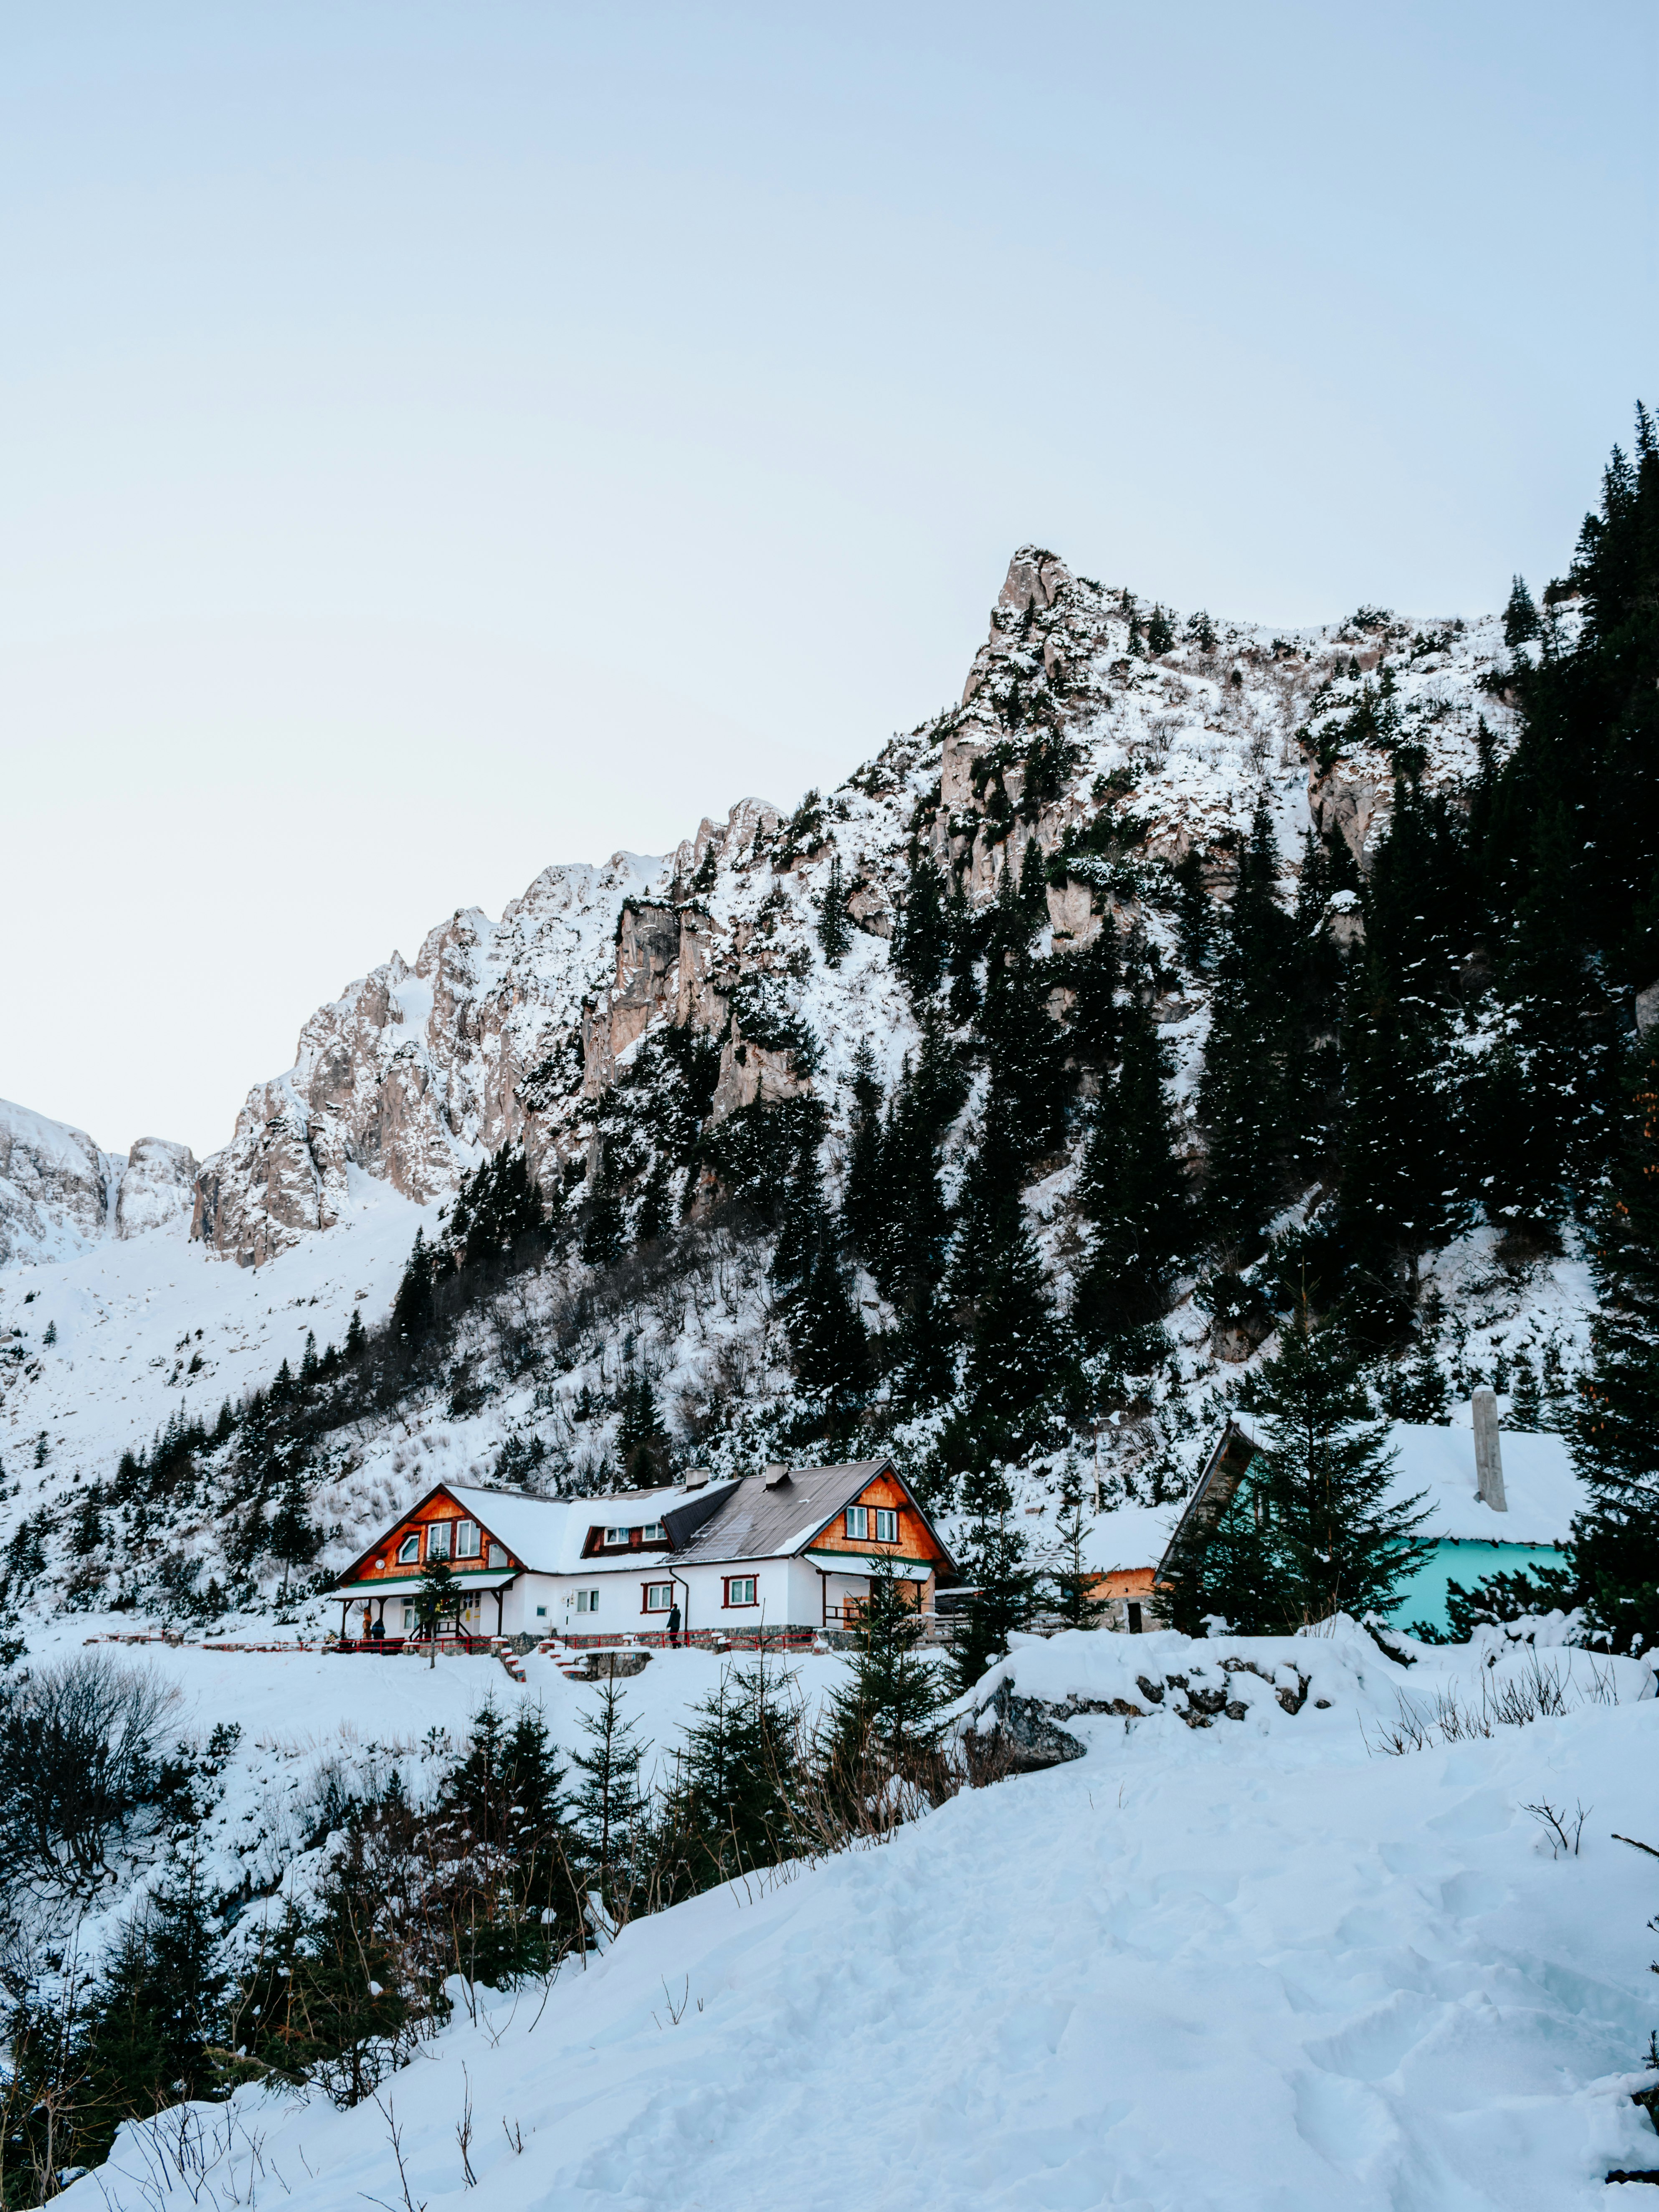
(1223, 1470)
(771, 1517)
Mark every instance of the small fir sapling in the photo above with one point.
(609, 1809)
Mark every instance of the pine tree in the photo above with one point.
(995, 1562)
(1248, 1097)
(1311, 1530)
(607, 1812)
(731, 1808)
(412, 1309)
(603, 1226)
(835, 929)
(1160, 633)
(517, 1907)
(894, 1703)
(1131, 1190)
(1520, 615)
(864, 1208)
(1615, 1544)
(1015, 1351)
(642, 1442)
(1074, 1580)
(922, 936)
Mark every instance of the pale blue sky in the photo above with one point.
(443, 439)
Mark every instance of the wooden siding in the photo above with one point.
(916, 1540)
(380, 1564)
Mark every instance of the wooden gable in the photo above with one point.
(916, 1539)
(381, 1562)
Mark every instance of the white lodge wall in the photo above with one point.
(789, 1594)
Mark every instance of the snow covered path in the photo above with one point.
(1248, 1967)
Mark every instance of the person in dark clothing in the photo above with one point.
(376, 1630)
(674, 1626)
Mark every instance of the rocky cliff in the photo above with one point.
(1116, 738)
(60, 1193)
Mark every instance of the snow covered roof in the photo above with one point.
(764, 1519)
(1129, 1536)
(548, 1534)
(1542, 1490)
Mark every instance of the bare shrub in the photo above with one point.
(81, 1766)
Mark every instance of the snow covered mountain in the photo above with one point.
(507, 1032)
(60, 1193)
(1126, 753)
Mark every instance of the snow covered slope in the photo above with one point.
(1244, 1967)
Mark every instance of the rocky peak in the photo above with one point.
(59, 1192)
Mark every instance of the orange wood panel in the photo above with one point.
(380, 1564)
(916, 1540)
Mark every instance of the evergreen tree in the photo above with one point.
(642, 1442)
(603, 1226)
(412, 1309)
(835, 929)
(1520, 615)
(515, 1906)
(921, 935)
(864, 1208)
(1131, 1190)
(995, 1561)
(1311, 1530)
(1073, 1579)
(1615, 1437)
(1248, 1097)
(731, 1809)
(607, 1812)
(828, 1338)
(894, 1703)
(1160, 633)
(1015, 1352)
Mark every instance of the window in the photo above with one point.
(653, 1533)
(466, 1540)
(658, 1596)
(616, 1535)
(497, 1555)
(739, 1590)
(409, 1618)
(437, 1539)
(858, 1521)
(541, 1613)
(886, 1525)
(409, 1550)
(588, 1600)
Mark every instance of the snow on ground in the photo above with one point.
(1258, 1964)
(131, 1315)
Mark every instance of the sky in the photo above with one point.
(439, 440)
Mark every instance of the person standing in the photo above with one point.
(674, 1626)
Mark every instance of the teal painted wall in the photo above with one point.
(1425, 1596)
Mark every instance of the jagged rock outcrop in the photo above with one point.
(60, 1192)
(156, 1188)
(1091, 726)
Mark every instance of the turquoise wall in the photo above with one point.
(1425, 1596)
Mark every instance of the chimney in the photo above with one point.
(696, 1478)
(776, 1476)
(1488, 1459)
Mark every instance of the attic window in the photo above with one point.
(616, 1535)
(409, 1550)
(497, 1555)
(437, 1539)
(652, 1533)
(858, 1522)
(886, 1525)
(466, 1540)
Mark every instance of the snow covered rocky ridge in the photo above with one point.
(1233, 1955)
(524, 1030)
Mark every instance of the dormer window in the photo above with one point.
(615, 1536)
(653, 1533)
